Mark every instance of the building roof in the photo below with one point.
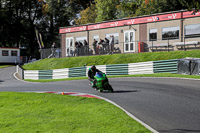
(131, 21)
(8, 48)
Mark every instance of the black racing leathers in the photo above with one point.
(92, 73)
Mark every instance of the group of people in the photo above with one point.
(81, 48)
(103, 46)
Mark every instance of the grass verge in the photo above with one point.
(58, 63)
(117, 76)
(32, 112)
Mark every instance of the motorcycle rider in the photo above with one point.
(91, 73)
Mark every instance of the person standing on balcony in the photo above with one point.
(106, 45)
(111, 44)
(95, 46)
(86, 47)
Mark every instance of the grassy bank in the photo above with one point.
(31, 112)
(57, 63)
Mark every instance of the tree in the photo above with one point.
(106, 9)
(18, 16)
(126, 8)
(21, 18)
(88, 15)
(191, 4)
(82, 4)
(157, 6)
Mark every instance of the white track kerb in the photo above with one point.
(99, 97)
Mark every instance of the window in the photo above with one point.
(129, 41)
(170, 33)
(69, 46)
(192, 30)
(153, 34)
(5, 53)
(96, 37)
(13, 53)
(81, 39)
(116, 37)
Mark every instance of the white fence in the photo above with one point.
(133, 68)
(140, 68)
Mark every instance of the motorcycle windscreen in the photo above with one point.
(99, 75)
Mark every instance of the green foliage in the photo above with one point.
(191, 4)
(57, 63)
(20, 18)
(88, 15)
(157, 6)
(106, 9)
(126, 9)
(17, 17)
(34, 113)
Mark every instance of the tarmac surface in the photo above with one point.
(168, 105)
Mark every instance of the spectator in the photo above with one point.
(106, 40)
(52, 50)
(111, 44)
(80, 48)
(95, 46)
(101, 41)
(106, 45)
(86, 47)
(101, 49)
(77, 49)
(85, 43)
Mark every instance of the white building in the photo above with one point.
(9, 55)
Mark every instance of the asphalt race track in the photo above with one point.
(168, 105)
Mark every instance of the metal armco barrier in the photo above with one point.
(77, 72)
(61, 73)
(165, 66)
(31, 74)
(117, 69)
(20, 71)
(140, 68)
(45, 74)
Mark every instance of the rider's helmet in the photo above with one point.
(93, 68)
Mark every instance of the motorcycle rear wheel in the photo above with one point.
(108, 87)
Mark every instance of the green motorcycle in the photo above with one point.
(101, 83)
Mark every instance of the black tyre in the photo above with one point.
(108, 87)
(111, 89)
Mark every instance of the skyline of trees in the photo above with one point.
(22, 20)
